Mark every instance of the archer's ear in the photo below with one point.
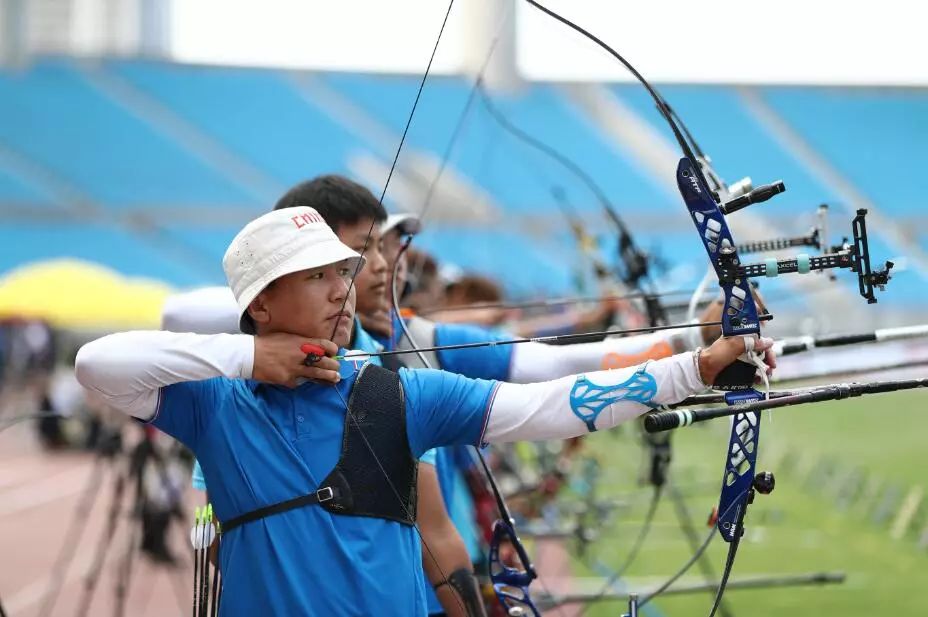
(258, 309)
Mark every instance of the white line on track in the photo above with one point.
(34, 592)
(47, 490)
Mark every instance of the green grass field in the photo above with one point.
(800, 527)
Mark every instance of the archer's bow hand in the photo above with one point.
(725, 351)
(279, 360)
(713, 314)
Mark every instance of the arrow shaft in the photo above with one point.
(579, 337)
(838, 340)
(668, 420)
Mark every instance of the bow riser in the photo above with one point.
(740, 468)
(739, 315)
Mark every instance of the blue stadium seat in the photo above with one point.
(54, 116)
(517, 176)
(17, 191)
(258, 114)
(876, 138)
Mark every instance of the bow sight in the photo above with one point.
(855, 257)
(867, 279)
(741, 194)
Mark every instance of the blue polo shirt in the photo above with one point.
(260, 444)
(491, 362)
(363, 341)
(481, 363)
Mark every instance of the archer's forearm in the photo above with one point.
(127, 370)
(534, 362)
(451, 556)
(443, 549)
(598, 400)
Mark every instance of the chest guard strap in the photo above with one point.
(357, 485)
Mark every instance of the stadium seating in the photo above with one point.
(55, 117)
(259, 115)
(17, 191)
(130, 138)
(875, 138)
(517, 176)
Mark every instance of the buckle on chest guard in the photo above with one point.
(325, 494)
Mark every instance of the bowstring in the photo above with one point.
(459, 125)
(446, 157)
(476, 89)
(354, 276)
(396, 158)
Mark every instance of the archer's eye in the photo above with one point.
(315, 276)
(344, 272)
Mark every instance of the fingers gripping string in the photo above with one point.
(588, 400)
(757, 360)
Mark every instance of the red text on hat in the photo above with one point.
(302, 220)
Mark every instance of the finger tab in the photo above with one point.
(314, 353)
(309, 348)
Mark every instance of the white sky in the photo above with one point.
(787, 41)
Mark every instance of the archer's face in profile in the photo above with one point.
(371, 282)
(392, 241)
(308, 303)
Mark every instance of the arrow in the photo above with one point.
(676, 418)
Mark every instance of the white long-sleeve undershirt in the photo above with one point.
(534, 362)
(206, 310)
(539, 411)
(127, 370)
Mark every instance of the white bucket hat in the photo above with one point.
(276, 244)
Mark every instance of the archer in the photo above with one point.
(269, 435)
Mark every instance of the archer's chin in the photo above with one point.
(342, 336)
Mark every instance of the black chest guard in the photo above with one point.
(376, 422)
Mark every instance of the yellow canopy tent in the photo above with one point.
(70, 293)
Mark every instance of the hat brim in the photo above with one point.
(406, 224)
(315, 256)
